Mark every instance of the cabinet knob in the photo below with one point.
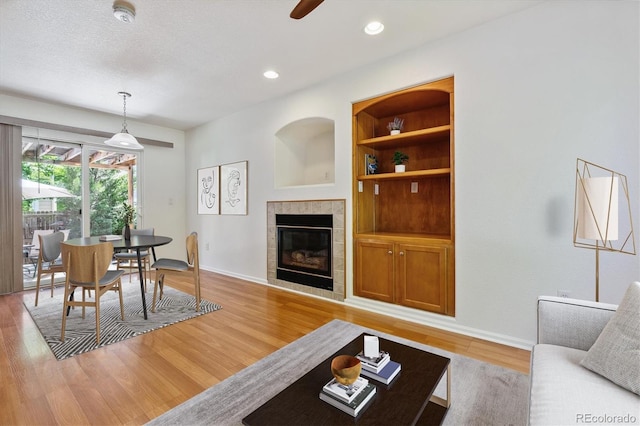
(401, 253)
(390, 252)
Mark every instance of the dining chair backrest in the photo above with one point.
(143, 231)
(35, 241)
(192, 250)
(86, 264)
(50, 246)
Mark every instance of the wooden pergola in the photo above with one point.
(34, 150)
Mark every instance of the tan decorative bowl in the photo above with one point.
(346, 369)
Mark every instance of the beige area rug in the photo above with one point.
(80, 336)
(481, 393)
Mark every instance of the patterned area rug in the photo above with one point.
(80, 336)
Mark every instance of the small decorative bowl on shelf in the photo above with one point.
(345, 369)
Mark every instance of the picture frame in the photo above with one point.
(233, 188)
(370, 164)
(208, 190)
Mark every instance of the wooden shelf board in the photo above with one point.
(406, 138)
(408, 175)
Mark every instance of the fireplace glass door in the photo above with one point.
(304, 250)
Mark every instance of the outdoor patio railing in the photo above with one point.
(49, 220)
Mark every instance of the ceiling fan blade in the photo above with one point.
(304, 7)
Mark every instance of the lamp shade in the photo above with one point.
(124, 140)
(597, 208)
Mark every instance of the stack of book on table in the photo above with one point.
(380, 368)
(350, 399)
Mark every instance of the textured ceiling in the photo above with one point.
(187, 62)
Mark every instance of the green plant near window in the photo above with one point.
(128, 213)
(124, 216)
(399, 157)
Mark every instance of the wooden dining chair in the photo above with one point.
(87, 268)
(49, 261)
(129, 259)
(179, 269)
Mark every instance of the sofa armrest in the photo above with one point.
(571, 322)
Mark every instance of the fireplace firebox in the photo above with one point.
(304, 249)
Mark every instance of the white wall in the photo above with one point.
(163, 197)
(320, 157)
(533, 91)
(304, 153)
(557, 82)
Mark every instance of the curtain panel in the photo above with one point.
(10, 209)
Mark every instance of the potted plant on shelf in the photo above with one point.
(127, 215)
(395, 126)
(399, 158)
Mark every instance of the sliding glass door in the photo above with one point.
(72, 184)
(113, 180)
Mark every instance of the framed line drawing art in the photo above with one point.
(209, 190)
(233, 188)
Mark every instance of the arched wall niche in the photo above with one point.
(305, 153)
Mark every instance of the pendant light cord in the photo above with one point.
(124, 99)
(125, 95)
(124, 139)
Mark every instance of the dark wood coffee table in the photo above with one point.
(407, 400)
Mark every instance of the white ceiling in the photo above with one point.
(187, 62)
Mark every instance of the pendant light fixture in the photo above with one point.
(124, 139)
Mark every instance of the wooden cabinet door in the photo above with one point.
(374, 270)
(421, 277)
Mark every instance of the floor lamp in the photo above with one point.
(602, 218)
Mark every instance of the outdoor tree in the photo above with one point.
(108, 189)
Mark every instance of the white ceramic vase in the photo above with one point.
(399, 168)
(395, 132)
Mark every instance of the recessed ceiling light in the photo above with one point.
(374, 28)
(271, 74)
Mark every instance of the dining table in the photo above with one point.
(137, 243)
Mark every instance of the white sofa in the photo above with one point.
(563, 392)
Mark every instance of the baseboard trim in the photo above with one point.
(235, 275)
(436, 321)
(400, 312)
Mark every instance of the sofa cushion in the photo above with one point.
(563, 393)
(616, 353)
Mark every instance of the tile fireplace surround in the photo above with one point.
(333, 207)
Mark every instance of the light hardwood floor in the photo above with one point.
(136, 380)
